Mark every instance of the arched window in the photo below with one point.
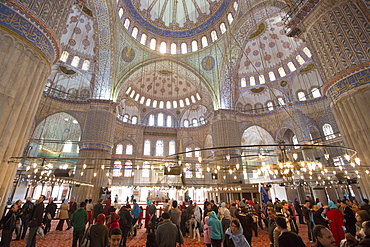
(243, 82)
(153, 43)
(197, 153)
(128, 90)
(132, 94)
(186, 123)
(187, 101)
(299, 59)
(174, 103)
(160, 120)
(143, 39)
(126, 117)
(134, 120)
(315, 92)
(189, 152)
(75, 61)
(222, 27)
(295, 141)
(281, 101)
(137, 97)
(117, 165)
(159, 148)
(173, 48)
(272, 76)
(252, 81)
(151, 120)
(262, 79)
(147, 147)
(204, 41)
(142, 100)
(328, 131)
(134, 32)
(146, 170)
(161, 104)
(193, 99)
(198, 171)
(129, 149)
(127, 23)
(163, 47)
(214, 36)
(307, 52)
(236, 5)
(169, 121)
(128, 169)
(201, 120)
(86, 65)
(281, 72)
(154, 103)
(120, 12)
(194, 45)
(172, 148)
(168, 104)
(248, 108)
(119, 149)
(181, 103)
(64, 56)
(198, 96)
(270, 106)
(67, 147)
(301, 96)
(291, 66)
(188, 170)
(184, 48)
(195, 122)
(148, 101)
(230, 18)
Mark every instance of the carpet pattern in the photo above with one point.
(64, 238)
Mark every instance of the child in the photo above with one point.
(115, 237)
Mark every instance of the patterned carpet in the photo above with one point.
(64, 238)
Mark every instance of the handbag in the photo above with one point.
(48, 216)
(86, 238)
(40, 232)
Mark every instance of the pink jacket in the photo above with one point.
(207, 231)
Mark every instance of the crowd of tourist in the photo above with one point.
(230, 224)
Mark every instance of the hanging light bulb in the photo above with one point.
(94, 174)
(84, 166)
(228, 157)
(234, 177)
(218, 168)
(34, 165)
(200, 159)
(107, 174)
(28, 168)
(295, 156)
(326, 155)
(224, 177)
(358, 161)
(237, 166)
(208, 169)
(347, 157)
(102, 167)
(230, 171)
(19, 165)
(82, 173)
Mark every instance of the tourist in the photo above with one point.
(26, 216)
(63, 215)
(336, 222)
(324, 236)
(115, 237)
(9, 224)
(36, 221)
(287, 238)
(99, 233)
(168, 234)
(49, 214)
(234, 236)
(79, 219)
(216, 230)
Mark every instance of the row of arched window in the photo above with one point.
(328, 134)
(75, 61)
(194, 122)
(161, 103)
(271, 76)
(175, 48)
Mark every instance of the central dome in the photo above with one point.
(177, 21)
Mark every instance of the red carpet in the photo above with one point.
(64, 238)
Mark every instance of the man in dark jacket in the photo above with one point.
(98, 209)
(72, 209)
(317, 216)
(286, 237)
(298, 209)
(125, 222)
(36, 221)
(366, 206)
(167, 234)
(27, 210)
(271, 225)
(9, 225)
(324, 236)
(246, 221)
(349, 218)
(49, 214)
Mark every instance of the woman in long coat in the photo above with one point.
(63, 215)
(336, 224)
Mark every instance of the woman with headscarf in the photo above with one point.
(146, 224)
(336, 224)
(207, 232)
(226, 220)
(234, 235)
(221, 211)
(114, 221)
(63, 215)
(216, 230)
(361, 216)
(99, 233)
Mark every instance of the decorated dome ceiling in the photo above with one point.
(269, 48)
(179, 21)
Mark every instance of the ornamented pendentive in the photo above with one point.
(128, 54)
(208, 63)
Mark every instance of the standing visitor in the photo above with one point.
(63, 215)
(216, 230)
(49, 214)
(26, 216)
(99, 232)
(234, 235)
(71, 210)
(89, 210)
(336, 224)
(98, 209)
(79, 220)
(9, 224)
(36, 221)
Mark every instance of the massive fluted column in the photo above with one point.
(338, 33)
(96, 148)
(29, 46)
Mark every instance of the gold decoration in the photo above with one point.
(283, 83)
(257, 90)
(67, 71)
(308, 67)
(260, 29)
(165, 72)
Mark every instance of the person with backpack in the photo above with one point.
(125, 222)
(8, 223)
(26, 216)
